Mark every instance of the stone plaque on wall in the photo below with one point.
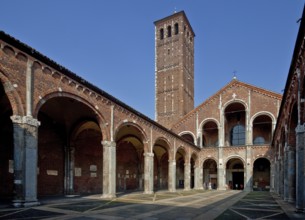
(93, 168)
(93, 174)
(78, 171)
(11, 166)
(52, 172)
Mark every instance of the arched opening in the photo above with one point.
(169, 31)
(161, 165)
(210, 134)
(235, 120)
(180, 161)
(88, 154)
(193, 161)
(69, 150)
(176, 28)
(235, 174)
(130, 159)
(188, 138)
(261, 175)
(262, 130)
(161, 34)
(210, 174)
(6, 146)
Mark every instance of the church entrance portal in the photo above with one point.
(235, 174)
(238, 180)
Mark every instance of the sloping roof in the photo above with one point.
(233, 82)
(42, 58)
(293, 65)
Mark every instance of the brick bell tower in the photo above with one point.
(174, 68)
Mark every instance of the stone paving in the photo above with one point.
(182, 205)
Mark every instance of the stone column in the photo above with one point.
(148, 173)
(300, 130)
(109, 169)
(281, 177)
(198, 178)
(272, 182)
(25, 160)
(69, 169)
(291, 175)
(172, 175)
(285, 167)
(187, 176)
(248, 185)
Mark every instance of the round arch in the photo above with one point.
(262, 124)
(209, 170)
(235, 167)
(232, 101)
(260, 114)
(186, 133)
(209, 120)
(161, 149)
(12, 95)
(261, 174)
(101, 120)
(136, 126)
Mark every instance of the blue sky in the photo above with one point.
(111, 43)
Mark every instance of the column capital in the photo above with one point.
(148, 154)
(300, 128)
(173, 162)
(25, 120)
(108, 144)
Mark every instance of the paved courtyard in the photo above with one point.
(195, 204)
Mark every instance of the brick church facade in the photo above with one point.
(61, 135)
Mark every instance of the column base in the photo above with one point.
(108, 196)
(299, 210)
(22, 203)
(291, 200)
(148, 192)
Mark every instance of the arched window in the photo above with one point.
(238, 136)
(169, 31)
(161, 33)
(176, 28)
(259, 140)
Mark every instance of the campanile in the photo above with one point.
(174, 68)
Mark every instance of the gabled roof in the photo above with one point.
(233, 82)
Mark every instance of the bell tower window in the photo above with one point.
(176, 28)
(169, 31)
(161, 34)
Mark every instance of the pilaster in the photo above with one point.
(249, 171)
(25, 160)
(221, 175)
(109, 169)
